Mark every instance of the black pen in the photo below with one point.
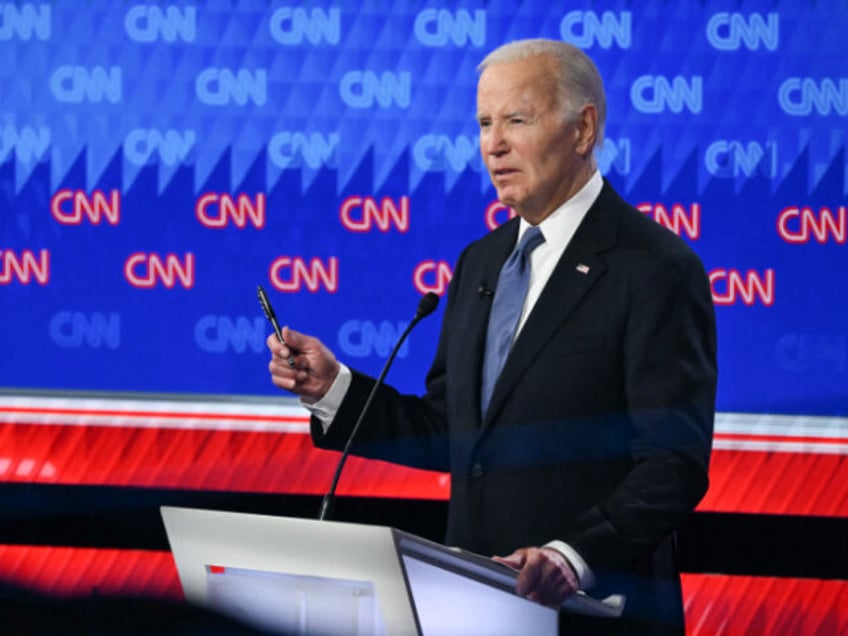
(272, 318)
(269, 312)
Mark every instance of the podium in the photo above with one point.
(299, 576)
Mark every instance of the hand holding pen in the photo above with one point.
(304, 365)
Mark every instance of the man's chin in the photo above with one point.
(506, 199)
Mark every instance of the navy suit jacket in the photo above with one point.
(599, 429)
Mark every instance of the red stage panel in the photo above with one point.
(715, 604)
(760, 464)
(750, 606)
(184, 445)
(778, 483)
(85, 571)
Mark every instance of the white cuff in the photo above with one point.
(581, 569)
(326, 408)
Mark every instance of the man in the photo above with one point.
(580, 458)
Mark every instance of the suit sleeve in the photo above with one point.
(670, 382)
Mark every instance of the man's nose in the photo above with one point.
(493, 141)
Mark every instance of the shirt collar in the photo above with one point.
(559, 226)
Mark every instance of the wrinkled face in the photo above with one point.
(536, 155)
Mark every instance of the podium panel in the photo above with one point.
(299, 576)
(295, 604)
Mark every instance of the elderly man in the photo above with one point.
(572, 393)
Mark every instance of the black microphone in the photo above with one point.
(426, 306)
(485, 291)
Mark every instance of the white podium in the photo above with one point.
(299, 576)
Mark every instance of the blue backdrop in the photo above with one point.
(159, 160)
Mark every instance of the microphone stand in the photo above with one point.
(426, 307)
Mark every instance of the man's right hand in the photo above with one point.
(313, 367)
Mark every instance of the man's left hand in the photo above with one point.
(544, 575)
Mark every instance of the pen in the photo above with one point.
(272, 318)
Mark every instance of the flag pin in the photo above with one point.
(583, 269)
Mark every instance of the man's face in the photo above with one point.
(529, 147)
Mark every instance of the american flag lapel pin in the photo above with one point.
(583, 269)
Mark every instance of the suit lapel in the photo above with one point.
(579, 267)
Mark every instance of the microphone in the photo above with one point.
(484, 291)
(426, 306)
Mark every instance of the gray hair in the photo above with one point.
(578, 80)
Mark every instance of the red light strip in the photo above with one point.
(264, 446)
(70, 413)
(715, 603)
(779, 438)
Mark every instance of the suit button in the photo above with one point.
(477, 470)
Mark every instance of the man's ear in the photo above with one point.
(586, 129)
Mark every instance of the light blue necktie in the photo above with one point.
(509, 297)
